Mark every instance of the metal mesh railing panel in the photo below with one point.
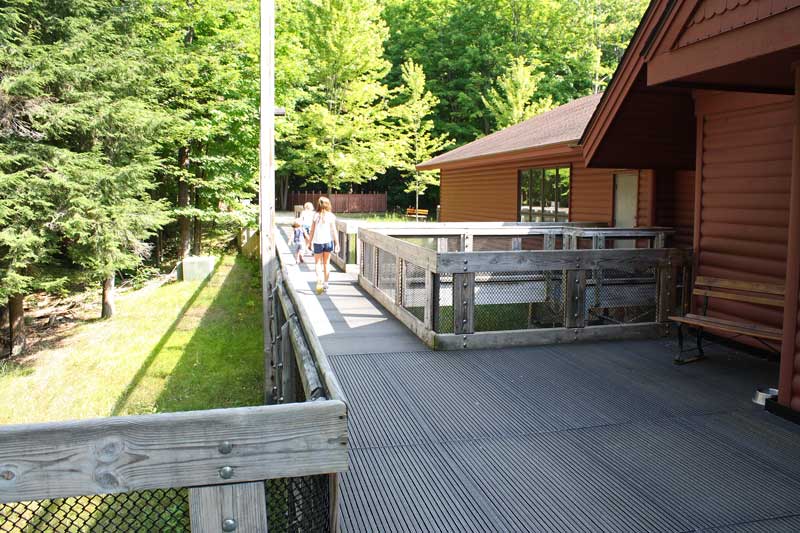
(518, 300)
(621, 296)
(446, 312)
(141, 511)
(299, 504)
(387, 273)
(294, 505)
(368, 262)
(414, 289)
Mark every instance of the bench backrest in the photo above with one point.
(412, 211)
(739, 291)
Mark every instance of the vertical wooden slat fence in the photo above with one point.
(344, 202)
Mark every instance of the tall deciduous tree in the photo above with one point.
(343, 132)
(415, 131)
(513, 98)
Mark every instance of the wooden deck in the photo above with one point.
(593, 437)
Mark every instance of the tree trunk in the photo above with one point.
(16, 323)
(197, 240)
(108, 297)
(159, 255)
(184, 244)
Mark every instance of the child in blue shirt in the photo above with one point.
(299, 240)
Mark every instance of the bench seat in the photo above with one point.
(729, 326)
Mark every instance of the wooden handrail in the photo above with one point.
(159, 451)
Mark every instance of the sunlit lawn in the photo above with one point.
(181, 346)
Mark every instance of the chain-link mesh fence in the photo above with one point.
(518, 300)
(621, 296)
(146, 511)
(446, 318)
(413, 298)
(387, 273)
(299, 504)
(294, 505)
(368, 262)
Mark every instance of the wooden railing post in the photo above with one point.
(664, 291)
(431, 317)
(398, 293)
(464, 303)
(575, 298)
(241, 507)
(289, 370)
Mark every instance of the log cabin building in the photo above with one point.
(706, 105)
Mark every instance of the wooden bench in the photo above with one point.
(417, 213)
(734, 290)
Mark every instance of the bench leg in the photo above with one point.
(679, 359)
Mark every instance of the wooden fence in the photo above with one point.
(223, 457)
(344, 203)
(453, 296)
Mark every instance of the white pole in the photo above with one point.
(267, 178)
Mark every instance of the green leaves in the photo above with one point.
(512, 100)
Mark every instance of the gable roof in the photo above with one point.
(564, 124)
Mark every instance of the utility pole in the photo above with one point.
(267, 182)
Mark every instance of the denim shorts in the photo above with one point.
(326, 247)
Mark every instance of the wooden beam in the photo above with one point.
(240, 507)
(526, 261)
(538, 337)
(575, 304)
(123, 454)
(418, 255)
(464, 302)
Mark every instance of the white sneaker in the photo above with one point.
(325, 286)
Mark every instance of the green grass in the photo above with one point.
(180, 346)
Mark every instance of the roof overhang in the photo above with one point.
(555, 152)
(646, 117)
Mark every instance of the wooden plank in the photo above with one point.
(747, 298)
(409, 320)
(123, 454)
(538, 337)
(242, 506)
(416, 254)
(525, 261)
(664, 292)
(574, 306)
(304, 360)
(752, 330)
(431, 300)
(289, 369)
(335, 502)
(398, 280)
(466, 242)
(464, 303)
(516, 243)
(750, 286)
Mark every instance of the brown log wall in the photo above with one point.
(645, 211)
(675, 205)
(591, 195)
(746, 167)
(479, 194)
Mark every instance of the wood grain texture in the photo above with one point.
(418, 255)
(523, 261)
(538, 337)
(246, 503)
(749, 286)
(730, 326)
(122, 454)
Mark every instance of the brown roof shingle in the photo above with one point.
(560, 125)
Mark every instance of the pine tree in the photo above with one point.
(513, 99)
(415, 131)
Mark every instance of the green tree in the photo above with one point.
(513, 99)
(343, 130)
(415, 131)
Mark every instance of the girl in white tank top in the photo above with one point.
(325, 240)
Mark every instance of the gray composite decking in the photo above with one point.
(578, 438)
(586, 437)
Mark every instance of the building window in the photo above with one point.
(544, 194)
